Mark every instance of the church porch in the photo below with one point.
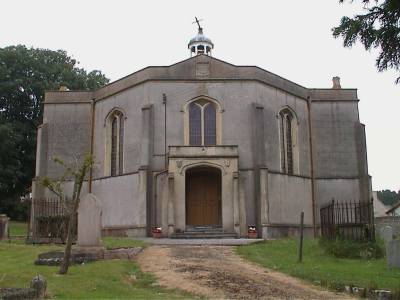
(203, 193)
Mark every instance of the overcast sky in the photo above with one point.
(290, 38)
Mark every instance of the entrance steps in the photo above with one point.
(204, 233)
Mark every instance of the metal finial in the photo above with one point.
(198, 23)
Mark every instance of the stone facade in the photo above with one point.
(328, 147)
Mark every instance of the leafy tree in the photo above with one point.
(388, 197)
(25, 74)
(378, 27)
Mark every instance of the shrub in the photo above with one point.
(352, 249)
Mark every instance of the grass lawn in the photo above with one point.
(18, 228)
(317, 267)
(102, 279)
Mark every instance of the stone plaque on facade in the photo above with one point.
(89, 222)
(202, 69)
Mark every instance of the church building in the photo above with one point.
(206, 147)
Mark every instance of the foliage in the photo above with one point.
(122, 242)
(319, 267)
(14, 208)
(378, 27)
(342, 248)
(110, 279)
(25, 74)
(388, 197)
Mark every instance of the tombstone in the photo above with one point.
(393, 254)
(3, 227)
(39, 284)
(89, 222)
(387, 234)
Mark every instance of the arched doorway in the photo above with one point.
(203, 197)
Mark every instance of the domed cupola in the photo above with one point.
(200, 44)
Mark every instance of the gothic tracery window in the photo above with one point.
(287, 123)
(116, 143)
(202, 123)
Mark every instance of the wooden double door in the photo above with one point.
(203, 197)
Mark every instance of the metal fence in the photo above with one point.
(50, 220)
(348, 220)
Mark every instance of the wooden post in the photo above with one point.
(300, 249)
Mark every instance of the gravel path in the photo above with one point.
(216, 272)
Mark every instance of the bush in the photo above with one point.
(352, 249)
(14, 208)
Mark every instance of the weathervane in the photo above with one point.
(198, 23)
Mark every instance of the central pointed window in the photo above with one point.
(202, 124)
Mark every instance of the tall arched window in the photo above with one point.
(115, 143)
(202, 123)
(288, 125)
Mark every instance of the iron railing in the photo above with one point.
(348, 220)
(50, 220)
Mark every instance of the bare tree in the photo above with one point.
(77, 172)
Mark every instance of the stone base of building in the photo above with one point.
(274, 231)
(124, 231)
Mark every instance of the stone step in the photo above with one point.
(204, 235)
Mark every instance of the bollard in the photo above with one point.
(300, 248)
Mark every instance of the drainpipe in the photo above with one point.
(164, 102)
(91, 144)
(165, 131)
(309, 101)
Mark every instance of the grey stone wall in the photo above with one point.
(288, 196)
(122, 204)
(334, 134)
(68, 135)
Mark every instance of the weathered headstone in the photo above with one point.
(393, 254)
(89, 222)
(387, 234)
(39, 284)
(3, 227)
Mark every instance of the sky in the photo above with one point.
(290, 38)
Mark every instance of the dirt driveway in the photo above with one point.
(217, 272)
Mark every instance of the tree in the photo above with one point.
(388, 197)
(78, 173)
(25, 74)
(378, 28)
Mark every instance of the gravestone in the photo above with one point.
(387, 234)
(393, 254)
(89, 222)
(39, 284)
(3, 227)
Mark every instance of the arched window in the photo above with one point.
(202, 123)
(288, 125)
(115, 143)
